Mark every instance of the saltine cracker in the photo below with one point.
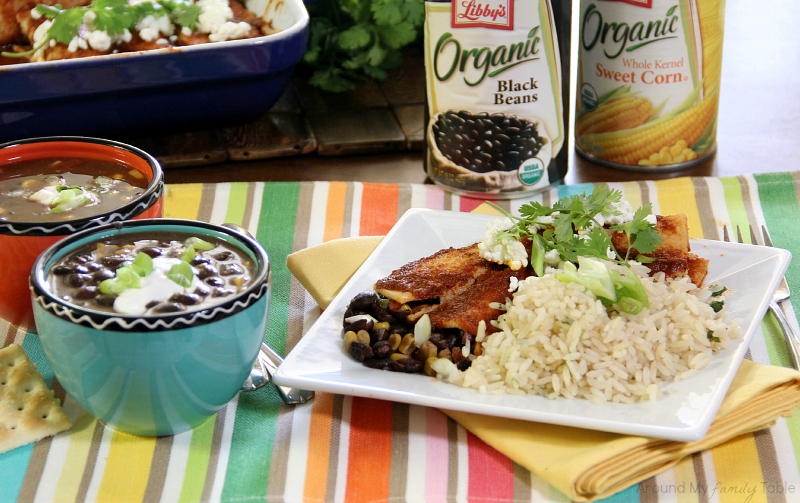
(28, 409)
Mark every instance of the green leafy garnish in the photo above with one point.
(111, 16)
(142, 264)
(126, 278)
(717, 305)
(717, 290)
(352, 41)
(571, 227)
(711, 336)
(623, 289)
(199, 244)
(188, 254)
(68, 199)
(181, 274)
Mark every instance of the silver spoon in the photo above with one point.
(268, 360)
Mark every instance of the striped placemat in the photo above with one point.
(340, 448)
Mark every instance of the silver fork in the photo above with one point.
(782, 293)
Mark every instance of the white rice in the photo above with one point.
(558, 340)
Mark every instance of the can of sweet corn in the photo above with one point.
(648, 82)
(497, 102)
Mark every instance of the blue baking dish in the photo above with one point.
(203, 85)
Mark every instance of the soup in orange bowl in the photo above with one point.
(56, 186)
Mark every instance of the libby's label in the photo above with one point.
(498, 14)
(643, 68)
(493, 94)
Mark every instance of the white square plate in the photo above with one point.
(319, 361)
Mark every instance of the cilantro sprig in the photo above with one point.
(111, 16)
(352, 41)
(571, 227)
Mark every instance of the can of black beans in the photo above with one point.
(497, 75)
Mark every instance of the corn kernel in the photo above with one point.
(382, 324)
(349, 338)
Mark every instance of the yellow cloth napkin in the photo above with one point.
(583, 464)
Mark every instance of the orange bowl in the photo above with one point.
(21, 242)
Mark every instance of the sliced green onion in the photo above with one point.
(142, 264)
(126, 278)
(181, 274)
(199, 244)
(188, 254)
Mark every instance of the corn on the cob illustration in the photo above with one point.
(629, 147)
(615, 115)
(711, 14)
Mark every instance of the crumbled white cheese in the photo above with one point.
(213, 14)
(77, 43)
(152, 27)
(99, 40)
(506, 250)
(230, 31)
(35, 14)
(215, 19)
(39, 36)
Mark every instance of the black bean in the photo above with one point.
(113, 260)
(214, 281)
(364, 300)
(81, 269)
(221, 292)
(105, 300)
(169, 307)
(381, 364)
(378, 335)
(62, 269)
(198, 259)
(202, 290)
(152, 304)
(382, 349)
(102, 275)
(206, 271)
(82, 259)
(152, 251)
(230, 269)
(407, 365)
(92, 266)
(187, 299)
(362, 324)
(360, 351)
(77, 280)
(223, 256)
(464, 364)
(86, 292)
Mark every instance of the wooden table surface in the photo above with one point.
(758, 124)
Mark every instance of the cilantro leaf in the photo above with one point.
(352, 41)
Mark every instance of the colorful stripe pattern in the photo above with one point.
(350, 449)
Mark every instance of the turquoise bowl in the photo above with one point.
(153, 375)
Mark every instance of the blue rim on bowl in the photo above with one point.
(135, 207)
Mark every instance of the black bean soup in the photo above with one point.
(45, 190)
(139, 275)
(378, 334)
